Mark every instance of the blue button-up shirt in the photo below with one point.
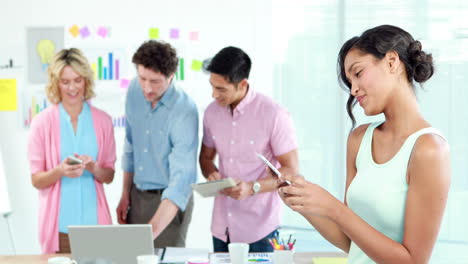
(161, 143)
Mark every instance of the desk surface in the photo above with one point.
(299, 258)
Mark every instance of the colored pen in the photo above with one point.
(292, 244)
(275, 241)
(271, 242)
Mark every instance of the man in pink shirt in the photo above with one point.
(239, 124)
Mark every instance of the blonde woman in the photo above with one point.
(70, 194)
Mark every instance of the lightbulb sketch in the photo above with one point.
(46, 50)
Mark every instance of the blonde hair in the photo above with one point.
(74, 58)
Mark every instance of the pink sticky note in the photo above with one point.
(193, 35)
(102, 31)
(174, 33)
(84, 31)
(124, 83)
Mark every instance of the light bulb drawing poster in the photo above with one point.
(42, 44)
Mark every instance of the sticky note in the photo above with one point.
(102, 31)
(193, 35)
(174, 33)
(74, 31)
(124, 83)
(84, 31)
(8, 95)
(153, 33)
(326, 260)
(197, 65)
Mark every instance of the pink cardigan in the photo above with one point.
(44, 155)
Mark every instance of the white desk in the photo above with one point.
(299, 258)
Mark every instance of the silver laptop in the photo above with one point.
(110, 244)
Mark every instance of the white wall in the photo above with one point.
(241, 23)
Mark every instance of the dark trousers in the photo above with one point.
(143, 206)
(262, 245)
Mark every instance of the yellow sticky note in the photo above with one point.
(8, 95)
(329, 260)
(197, 65)
(153, 33)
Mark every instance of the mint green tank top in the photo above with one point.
(378, 191)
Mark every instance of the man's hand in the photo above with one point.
(163, 216)
(122, 209)
(239, 192)
(214, 176)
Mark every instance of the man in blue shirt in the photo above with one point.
(160, 150)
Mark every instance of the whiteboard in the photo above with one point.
(4, 200)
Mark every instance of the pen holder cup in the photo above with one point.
(283, 257)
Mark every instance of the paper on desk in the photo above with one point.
(211, 188)
(177, 254)
(223, 258)
(326, 260)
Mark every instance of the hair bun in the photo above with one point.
(422, 67)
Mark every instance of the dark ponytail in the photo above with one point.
(420, 65)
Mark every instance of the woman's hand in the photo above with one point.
(88, 162)
(307, 198)
(71, 171)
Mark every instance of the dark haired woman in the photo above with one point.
(398, 170)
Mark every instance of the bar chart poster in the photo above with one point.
(33, 105)
(107, 65)
(118, 121)
(111, 101)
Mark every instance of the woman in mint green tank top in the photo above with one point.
(398, 170)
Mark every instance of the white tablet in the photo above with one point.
(211, 188)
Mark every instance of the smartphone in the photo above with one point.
(73, 160)
(273, 168)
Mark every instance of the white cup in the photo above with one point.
(238, 252)
(283, 257)
(60, 260)
(148, 259)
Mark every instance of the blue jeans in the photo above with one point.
(262, 245)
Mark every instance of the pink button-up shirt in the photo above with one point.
(257, 125)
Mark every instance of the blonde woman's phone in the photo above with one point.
(73, 161)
